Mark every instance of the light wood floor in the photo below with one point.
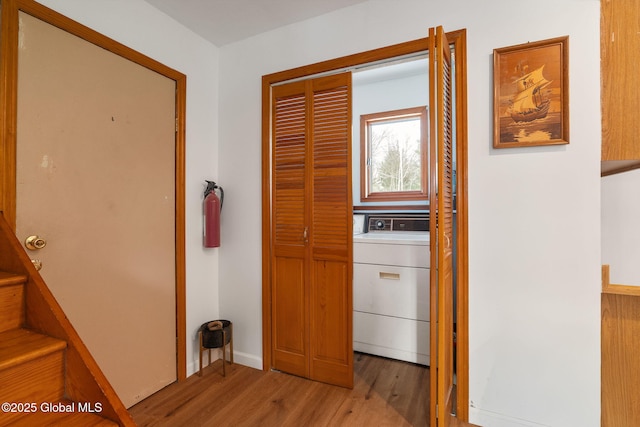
(386, 393)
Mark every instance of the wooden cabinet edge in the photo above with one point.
(617, 289)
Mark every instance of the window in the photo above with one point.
(393, 159)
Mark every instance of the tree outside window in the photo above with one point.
(394, 155)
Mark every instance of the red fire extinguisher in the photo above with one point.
(212, 208)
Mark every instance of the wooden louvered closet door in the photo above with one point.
(312, 229)
(441, 225)
(289, 216)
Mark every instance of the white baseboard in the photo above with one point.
(246, 359)
(494, 419)
(240, 358)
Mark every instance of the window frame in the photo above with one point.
(365, 147)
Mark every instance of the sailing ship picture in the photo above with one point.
(531, 94)
(530, 103)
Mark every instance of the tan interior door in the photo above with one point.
(441, 227)
(96, 181)
(311, 283)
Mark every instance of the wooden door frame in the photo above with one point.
(458, 41)
(8, 138)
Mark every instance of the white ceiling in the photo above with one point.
(226, 21)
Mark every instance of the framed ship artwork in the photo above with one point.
(531, 94)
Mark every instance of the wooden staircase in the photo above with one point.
(47, 375)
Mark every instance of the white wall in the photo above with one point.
(145, 29)
(534, 213)
(621, 227)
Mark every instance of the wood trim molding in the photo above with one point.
(266, 224)
(605, 277)
(459, 40)
(8, 106)
(380, 54)
(181, 232)
(8, 110)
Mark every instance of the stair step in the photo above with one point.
(7, 279)
(18, 346)
(72, 418)
(11, 300)
(31, 368)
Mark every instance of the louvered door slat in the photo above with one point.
(289, 294)
(289, 167)
(331, 119)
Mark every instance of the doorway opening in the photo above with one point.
(457, 41)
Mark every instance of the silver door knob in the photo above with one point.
(34, 243)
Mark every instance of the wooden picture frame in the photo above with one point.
(531, 94)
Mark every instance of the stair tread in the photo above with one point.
(8, 279)
(66, 419)
(22, 345)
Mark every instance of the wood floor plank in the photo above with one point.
(386, 393)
